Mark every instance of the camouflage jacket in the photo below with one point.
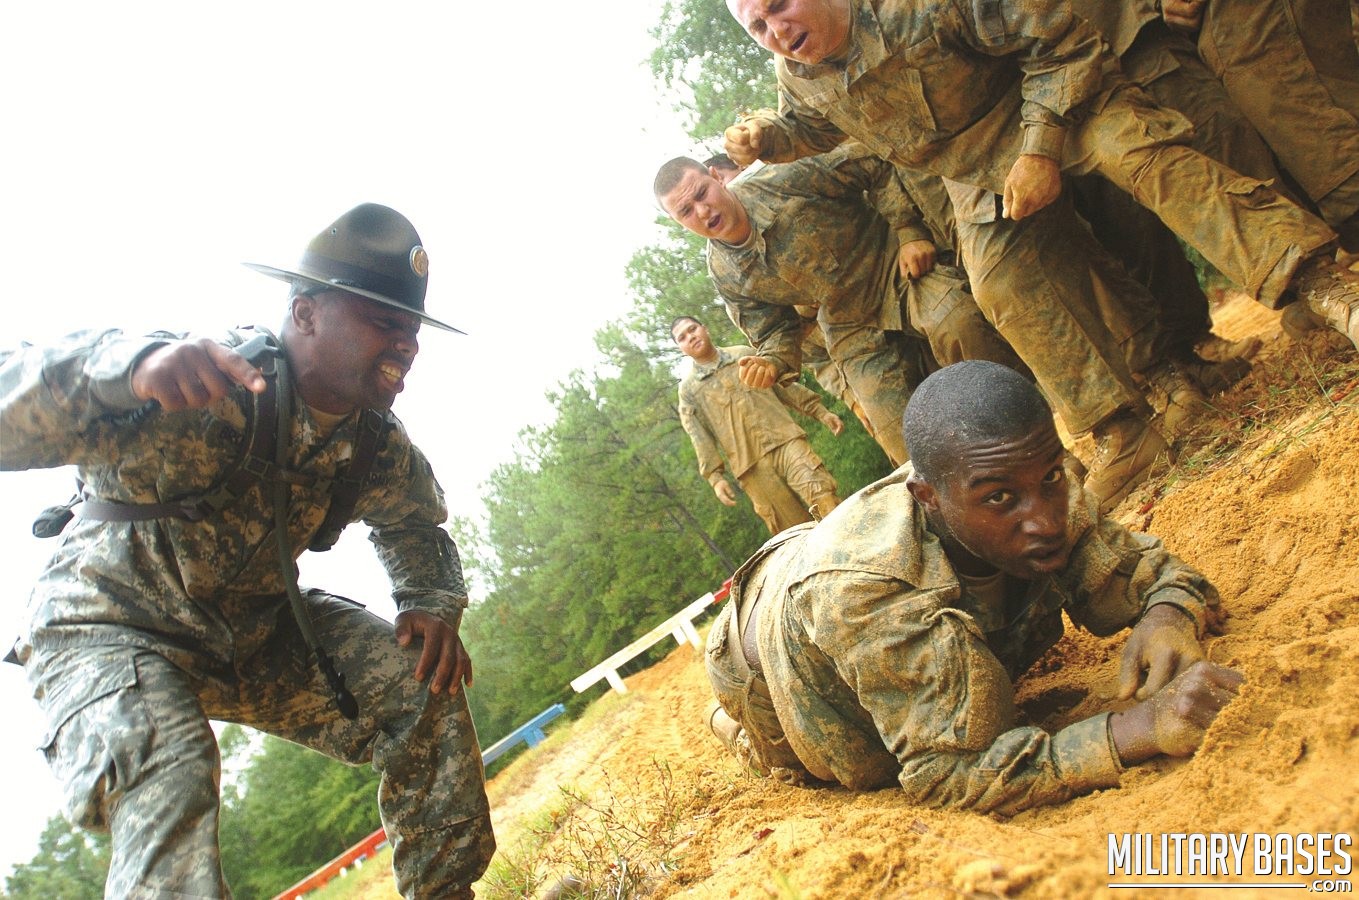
(846, 265)
(723, 416)
(956, 88)
(214, 585)
(882, 668)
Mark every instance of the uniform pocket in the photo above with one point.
(99, 733)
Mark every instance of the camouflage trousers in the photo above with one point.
(743, 691)
(1291, 66)
(882, 368)
(1167, 66)
(1254, 236)
(786, 483)
(130, 741)
(1034, 280)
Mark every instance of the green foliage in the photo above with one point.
(711, 68)
(288, 811)
(599, 529)
(70, 863)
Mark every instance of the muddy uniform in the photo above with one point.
(141, 631)
(1291, 66)
(1167, 65)
(766, 451)
(879, 666)
(963, 89)
(847, 266)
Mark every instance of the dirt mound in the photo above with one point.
(1265, 502)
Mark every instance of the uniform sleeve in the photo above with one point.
(885, 192)
(1116, 575)
(406, 511)
(943, 704)
(50, 395)
(796, 130)
(774, 330)
(705, 445)
(1063, 59)
(803, 399)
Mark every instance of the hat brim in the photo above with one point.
(289, 275)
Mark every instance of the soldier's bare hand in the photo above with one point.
(1034, 182)
(192, 374)
(757, 372)
(1162, 645)
(1174, 720)
(442, 654)
(832, 421)
(1183, 15)
(916, 258)
(724, 492)
(744, 142)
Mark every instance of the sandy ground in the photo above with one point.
(1265, 501)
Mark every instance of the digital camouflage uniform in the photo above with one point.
(767, 452)
(879, 668)
(141, 631)
(1291, 66)
(846, 266)
(1166, 64)
(962, 89)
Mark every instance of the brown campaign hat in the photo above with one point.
(372, 251)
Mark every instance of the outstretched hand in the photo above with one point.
(442, 652)
(1163, 644)
(192, 374)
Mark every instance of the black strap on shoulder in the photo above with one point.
(256, 463)
(346, 486)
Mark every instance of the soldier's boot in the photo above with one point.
(1128, 446)
(1214, 377)
(724, 727)
(822, 506)
(1178, 402)
(1217, 349)
(1331, 293)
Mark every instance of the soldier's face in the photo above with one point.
(361, 351)
(692, 339)
(806, 31)
(1005, 505)
(703, 205)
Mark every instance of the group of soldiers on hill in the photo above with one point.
(1031, 223)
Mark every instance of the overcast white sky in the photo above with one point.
(149, 148)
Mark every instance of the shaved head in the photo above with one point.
(966, 405)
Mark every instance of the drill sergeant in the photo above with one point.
(205, 473)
